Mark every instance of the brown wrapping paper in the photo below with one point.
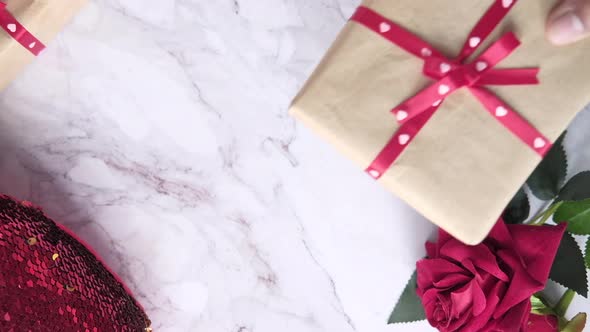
(463, 167)
(44, 19)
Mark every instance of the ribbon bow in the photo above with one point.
(453, 74)
(19, 32)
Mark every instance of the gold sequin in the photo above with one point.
(70, 288)
(32, 241)
(55, 256)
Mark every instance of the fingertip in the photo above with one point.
(566, 29)
(569, 22)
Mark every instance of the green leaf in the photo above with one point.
(409, 306)
(548, 177)
(576, 214)
(518, 210)
(568, 268)
(587, 254)
(576, 189)
(577, 324)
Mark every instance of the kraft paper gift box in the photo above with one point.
(44, 19)
(463, 167)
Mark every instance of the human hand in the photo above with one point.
(569, 22)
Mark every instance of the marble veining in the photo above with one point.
(159, 133)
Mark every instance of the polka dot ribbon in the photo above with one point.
(19, 32)
(452, 74)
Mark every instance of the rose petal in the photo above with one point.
(452, 280)
(500, 235)
(516, 317)
(461, 300)
(468, 265)
(429, 296)
(521, 286)
(492, 300)
(537, 246)
(479, 299)
(457, 324)
(443, 237)
(431, 250)
(434, 270)
(538, 323)
(488, 283)
(480, 256)
(468, 296)
(444, 305)
(437, 309)
(429, 310)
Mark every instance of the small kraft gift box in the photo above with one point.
(28, 25)
(449, 104)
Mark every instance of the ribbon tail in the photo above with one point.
(510, 119)
(398, 143)
(499, 50)
(520, 76)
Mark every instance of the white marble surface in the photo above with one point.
(159, 133)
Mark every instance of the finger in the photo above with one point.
(569, 22)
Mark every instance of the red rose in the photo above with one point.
(538, 323)
(550, 323)
(487, 287)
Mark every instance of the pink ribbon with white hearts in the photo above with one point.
(451, 75)
(19, 32)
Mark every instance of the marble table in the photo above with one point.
(159, 133)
